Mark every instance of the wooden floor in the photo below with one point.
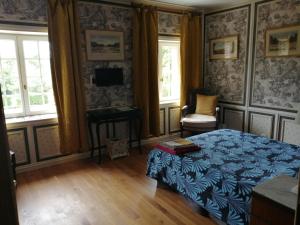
(116, 192)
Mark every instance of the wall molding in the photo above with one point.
(169, 119)
(37, 149)
(281, 126)
(162, 6)
(226, 10)
(84, 155)
(164, 120)
(237, 110)
(250, 113)
(26, 142)
(30, 24)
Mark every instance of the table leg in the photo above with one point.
(92, 139)
(114, 129)
(99, 142)
(107, 130)
(139, 135)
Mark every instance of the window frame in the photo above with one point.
(19, 37)
(171, 41)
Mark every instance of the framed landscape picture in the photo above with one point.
(224, 48)
(104, 45)
(283, 41)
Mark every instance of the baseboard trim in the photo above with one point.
(85, 155)
(52, 162)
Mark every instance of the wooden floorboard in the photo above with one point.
(115, 192)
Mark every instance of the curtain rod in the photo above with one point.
(135, 5)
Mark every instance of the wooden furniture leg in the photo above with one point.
(99, 142)
(92, 139)
(130, 133)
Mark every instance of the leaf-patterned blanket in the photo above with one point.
(221, 176)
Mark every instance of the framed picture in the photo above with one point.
(283, 41)
(224, 48)
(104, 45)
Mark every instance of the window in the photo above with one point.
(169, 69)
(25, 75)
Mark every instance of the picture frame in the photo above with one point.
(104, 45)
(225, 48)
(283, 42)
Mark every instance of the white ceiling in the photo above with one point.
(203, 4)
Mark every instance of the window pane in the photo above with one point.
(11, 86)
(44, 49)
(9, 68)
(32, 67)
(169, 70)
(9, 78)
(36, 100)
(34, 85)
(31, 49)
(38, 73)
(46, 70)
(7, 49)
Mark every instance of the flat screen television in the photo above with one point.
(108, 76)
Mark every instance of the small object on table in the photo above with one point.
(117, 147)
(273, 202)
(178, 146)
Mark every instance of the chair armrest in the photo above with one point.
(185, 110)
(217, 117)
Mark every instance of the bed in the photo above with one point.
(220, 177)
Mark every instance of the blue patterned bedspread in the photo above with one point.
(220, 176)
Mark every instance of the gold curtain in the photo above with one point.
(145, 68)
(191, 55)
(63, 27)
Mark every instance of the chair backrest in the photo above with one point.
(192, 98)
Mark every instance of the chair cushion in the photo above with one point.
(206, 105)
(198, 121)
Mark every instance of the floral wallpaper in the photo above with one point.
(23, 10)
(169, 23)
(105, 17)
(95, 16)
(276, 81)
(227, 77)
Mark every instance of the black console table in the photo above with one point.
(111, 116)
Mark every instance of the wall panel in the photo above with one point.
(282, 121)
(18, 142)
(234, 118)
(174, 119)
(261, 124)
(162, 114)
(291, 133)
(46, 138)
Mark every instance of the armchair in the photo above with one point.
(192, 121)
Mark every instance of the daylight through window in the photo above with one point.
(169, 69)
(25, 75)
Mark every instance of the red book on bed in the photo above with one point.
(178, 146)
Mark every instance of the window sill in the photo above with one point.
(34, 118)
(169, 102)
